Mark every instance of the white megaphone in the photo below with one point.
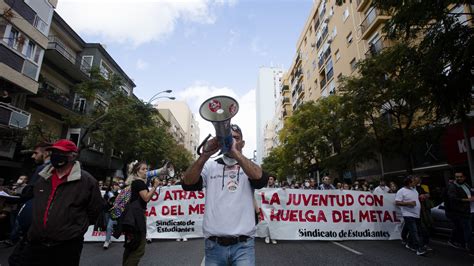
(167, 169)
(219, 110)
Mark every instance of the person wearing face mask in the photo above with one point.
(67, 200)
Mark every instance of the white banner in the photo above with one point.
(294, 214)
(286, 214)
(171, 213)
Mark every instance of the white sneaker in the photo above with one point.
(185, 239)
(274, 241)
(106, 244)
(178, 239)
(267, 240)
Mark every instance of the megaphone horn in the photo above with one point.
(167, 169)
(219, 110)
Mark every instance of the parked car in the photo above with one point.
(441, 223)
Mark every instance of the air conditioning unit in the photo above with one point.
(329, 40)
(326, 19)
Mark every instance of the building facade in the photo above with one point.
(268, 88)
(186, 123)
(334, 38)
(66, 61)
(24, 29)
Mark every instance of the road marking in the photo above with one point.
(347, 248)
(203, 262)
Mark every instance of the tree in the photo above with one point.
(323, 134)
(126, 125)
(442, 34)
(389, 95)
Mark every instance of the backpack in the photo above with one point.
(122, 199)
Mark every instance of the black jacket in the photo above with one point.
(76, 204)
(456, 206)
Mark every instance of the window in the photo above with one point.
(349, 38)
(86, 63)
(74, 135)
(105, 70)
(329, 70)
(44, 13)
(332, 88)
(345, 15)
(30, 50)
(13, 38)
(337, 55)
(80, 105)
(353, 64)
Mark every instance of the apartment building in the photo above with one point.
(332, 41)
(175, 129)
(24, 29)
(268, 88)
(66, 61)
(186, 121)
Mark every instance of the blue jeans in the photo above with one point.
(110, 229)
(242, 253)
(413, 225)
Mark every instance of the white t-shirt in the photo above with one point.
(405, 194)
(229, 209)
(381, 190)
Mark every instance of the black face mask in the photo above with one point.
(59, 160)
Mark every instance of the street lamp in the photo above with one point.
(154, 97)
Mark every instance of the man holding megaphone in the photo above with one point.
(229, 217)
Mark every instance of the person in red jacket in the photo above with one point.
(67, 200)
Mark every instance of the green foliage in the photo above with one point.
(323, 134)
(126, 125)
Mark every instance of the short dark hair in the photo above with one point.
(237, 129)
(43, 145)
(407, 180)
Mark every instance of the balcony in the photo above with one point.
(323, 82)
(361, 4)
(285, 88)
(13, 117)
(285, 100)
(66, 59)
(54, 99)
(375, 48)
(373, 19)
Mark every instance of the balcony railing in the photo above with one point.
(56, 44)
(13, 117)
(50, 92)
(372, 16)
(361, 4)
(375, 48)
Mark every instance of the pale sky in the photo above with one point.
(197, 48)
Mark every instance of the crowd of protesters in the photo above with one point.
(33, 225)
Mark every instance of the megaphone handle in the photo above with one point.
(198, 150)
(226, 143)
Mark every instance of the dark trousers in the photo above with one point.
(462, 230)
(413, 226)
(131, 257)
(423, 234)
(55, 254)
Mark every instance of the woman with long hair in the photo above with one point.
(139, 192)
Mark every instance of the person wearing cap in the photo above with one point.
(67, 200)
(229, 216)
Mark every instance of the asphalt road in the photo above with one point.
(170, 252)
